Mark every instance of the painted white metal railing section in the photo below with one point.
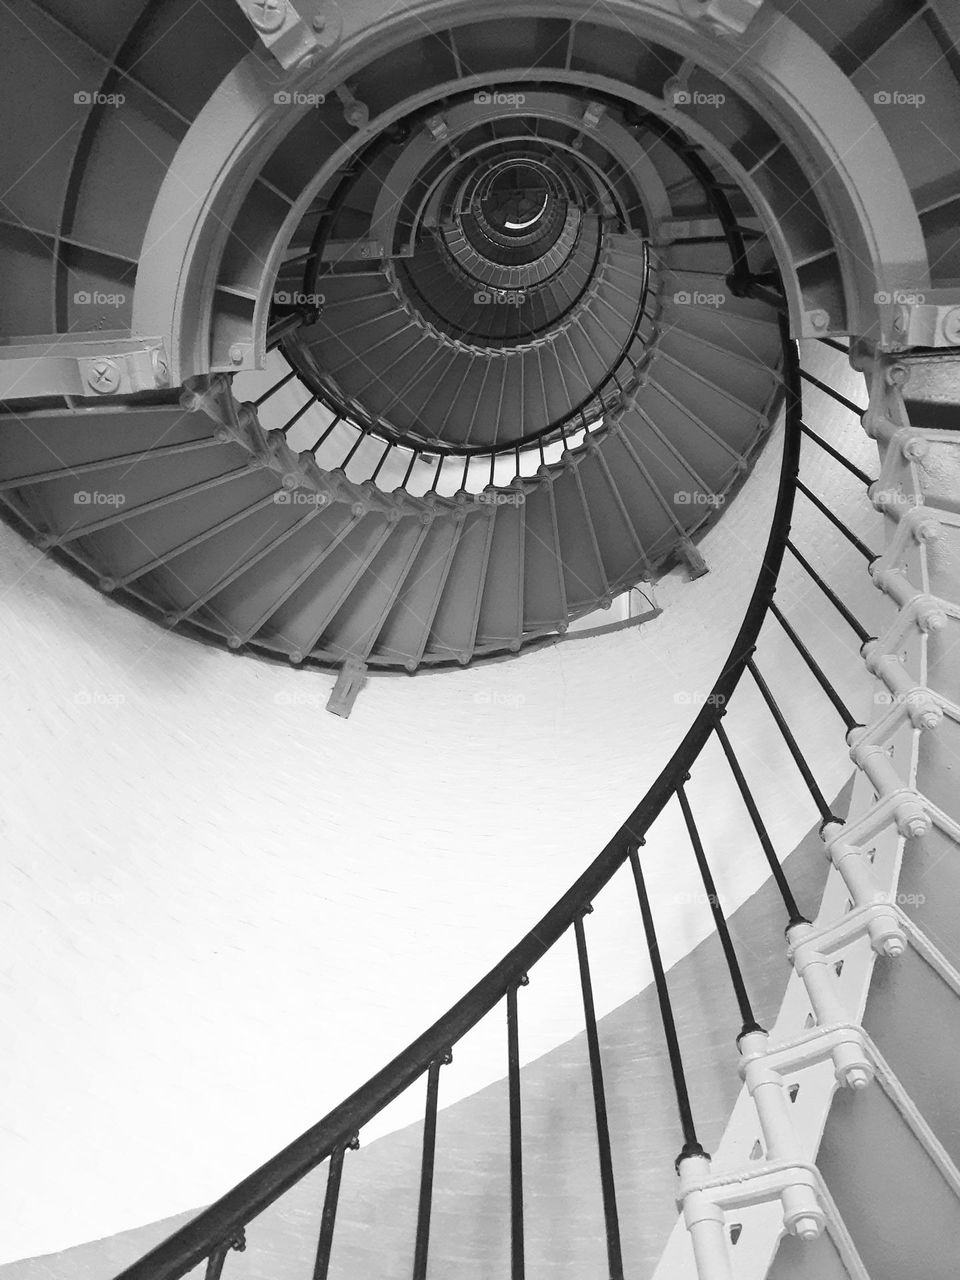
(763, 1180)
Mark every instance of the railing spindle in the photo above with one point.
(614, 1254)
(786, 893)
(818, 673)
(835, 453)
(835, 395)
(749, 1022)
(329, 1216)
(517, 1264)
(837, 523)
(691, 1144)
(831, 595)
(818, 797)
(426, 1170)
(287, 377)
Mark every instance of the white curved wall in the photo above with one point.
(226, 908)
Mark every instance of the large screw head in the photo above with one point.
(951, 327)
(267, 15)
(104, 376)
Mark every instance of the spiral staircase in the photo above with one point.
(383, 338)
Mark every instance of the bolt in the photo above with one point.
(819, 319)
(896, 375)
(807, 1228)
(893, 947)
(236, 354)
(951, 326)
(104, 376)
(320, 22)
(267, 15)
(857, 1078)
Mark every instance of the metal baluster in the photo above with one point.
(818, 797)
(292, 422)
(786, 893)
(835, 453)
(831, 595)
(426, 1168)
(847, 404)
(818, 672)
(216, 1260)
(329, 1216)
(691, 1144)
(614, 1254)
(337, 420)
(851, 537)
(276, 387)
(517, 1264)
(749, 1022)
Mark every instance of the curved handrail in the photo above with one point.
(223, 1221)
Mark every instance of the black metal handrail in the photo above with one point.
(223, 1221)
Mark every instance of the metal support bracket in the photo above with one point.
(929, 318)
(95, 364)
(349, 683)
(295, 32)
(722, 17)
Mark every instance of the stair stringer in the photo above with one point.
(737, 1208)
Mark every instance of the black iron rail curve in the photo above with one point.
(176, 1256)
